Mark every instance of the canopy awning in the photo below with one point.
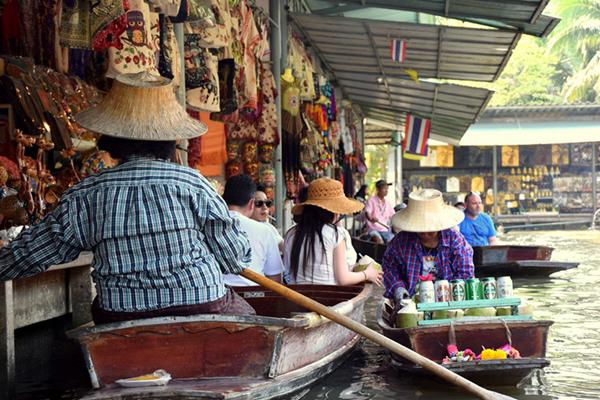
(521, 15)
(357, 54)
(535, 125)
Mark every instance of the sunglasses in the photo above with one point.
(260, 203)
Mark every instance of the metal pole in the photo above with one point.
(275, 11)
(400, 189)
(178, 29)
(396, 174)
(495, 180)
(362, 144)
(594, 183)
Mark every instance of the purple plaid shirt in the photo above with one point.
(403, 260)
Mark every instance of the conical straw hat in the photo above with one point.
(328, 194)
(141, 107)
(426, 212)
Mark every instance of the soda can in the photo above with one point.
(489, 288)
(426, 292)
(457, 290)
(442, 290)
(473, 289)
(505, 287)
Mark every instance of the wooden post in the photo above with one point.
(495, 180)
(275, 11)
(594, 182)
(80, 285)
(7, 340)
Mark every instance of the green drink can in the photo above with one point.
(457, 290)
(473, 289)
(490, 290)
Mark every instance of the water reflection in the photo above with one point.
(570, 298)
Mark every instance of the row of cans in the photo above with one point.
(465, 289)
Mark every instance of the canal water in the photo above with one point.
(570, 298)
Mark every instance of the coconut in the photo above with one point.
(525, 309)
(439, 314)
(364, 263)
(456, 313)
(480, 312)
(503, 311)
(407, 316)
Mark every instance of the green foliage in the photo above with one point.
(376, 159)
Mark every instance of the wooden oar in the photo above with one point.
(376, 337)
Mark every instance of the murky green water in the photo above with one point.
(570, 298)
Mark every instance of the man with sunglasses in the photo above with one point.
(477, 227)
(239, 194)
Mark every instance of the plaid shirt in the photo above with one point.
(403, 260)
(160, 234)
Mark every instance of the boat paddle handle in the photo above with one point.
(373, 336)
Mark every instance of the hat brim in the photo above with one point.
(408, 221)
(342, 205)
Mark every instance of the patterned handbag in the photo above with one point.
(202, 79)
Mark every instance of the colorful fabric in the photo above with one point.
(403, 260)
(416, 134)
(160, 234)
(398, 50)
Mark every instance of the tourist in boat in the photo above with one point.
(477, 227)
(161, 236)
(262, 213)
(427, 246)
(378, 213)
(361, 194)
(239, 195)
(315, 248)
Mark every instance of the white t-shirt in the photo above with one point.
(265, 257)
(275, 232)
(322, 263)
(351, 254)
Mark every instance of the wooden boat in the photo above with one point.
(517, 261)
(276, 352)
(527, 336)
(368, 248)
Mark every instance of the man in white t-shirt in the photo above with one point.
(266, 260)
(262, 213)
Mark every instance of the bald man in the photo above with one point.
(477, 227)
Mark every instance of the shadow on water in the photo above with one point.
(570, 298)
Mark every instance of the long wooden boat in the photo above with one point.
(529, 337)
(517, 261)
(274, 353)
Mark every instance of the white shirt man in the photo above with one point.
(265, 258)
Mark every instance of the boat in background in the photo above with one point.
(517, 261)
(368, 248)
(529, 337)
(282, 349)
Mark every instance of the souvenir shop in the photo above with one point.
(59, 57)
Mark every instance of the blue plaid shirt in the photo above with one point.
(160, 234)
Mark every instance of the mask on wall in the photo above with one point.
(233, 168)
(249, 152)
(265, 153)
(233, 150)
(251, 169)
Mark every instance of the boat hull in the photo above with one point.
(529, 337)
(264, 353)
(523, 269)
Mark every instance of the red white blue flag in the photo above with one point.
(398, 50)
(416, 134)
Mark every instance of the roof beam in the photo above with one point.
(381, 69)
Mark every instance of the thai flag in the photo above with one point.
(416, 134)
(398, 50)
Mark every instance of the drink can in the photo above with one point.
(442, 290)
(489, 288)
(473, 289)
(457, 290)
(505, 287)
(426, 292)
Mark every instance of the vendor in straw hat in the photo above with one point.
(162, 237)
(427, 247)
(315, 248)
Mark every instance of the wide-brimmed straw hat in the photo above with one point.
(328, 194)
(141, 107)
(427, 212)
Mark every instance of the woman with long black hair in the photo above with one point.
(314, 249)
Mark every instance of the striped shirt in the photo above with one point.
(403, 260)
(160, 234)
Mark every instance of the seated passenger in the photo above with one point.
(426, 245)
(315, 249)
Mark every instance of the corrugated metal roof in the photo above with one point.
(522, 15)
(548, 112)
(434, 51)
(357, 53)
